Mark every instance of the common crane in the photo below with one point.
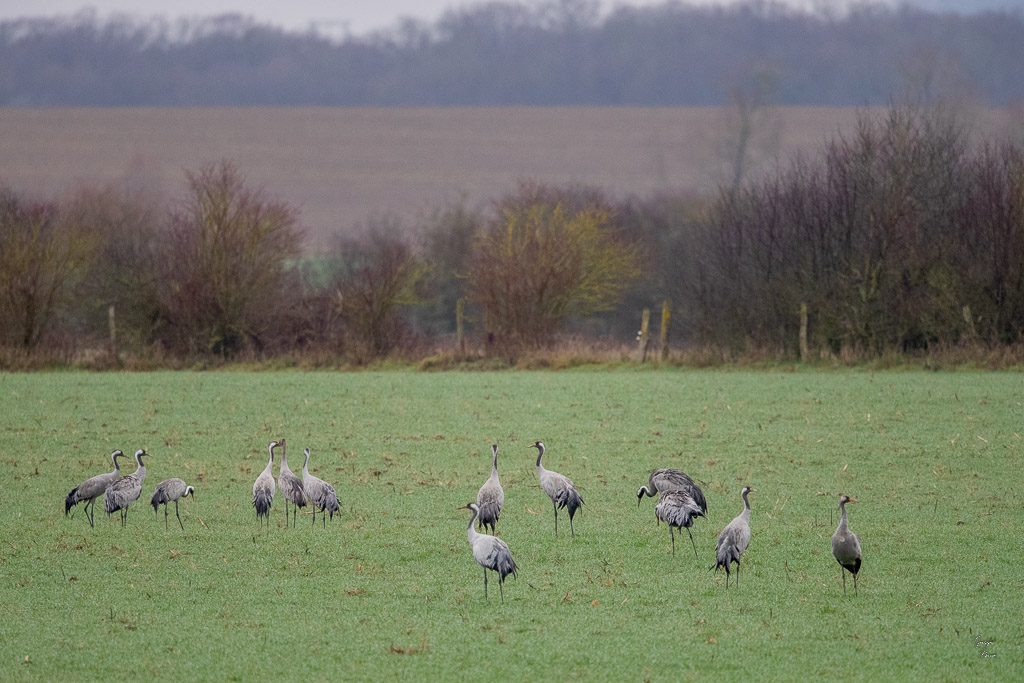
(669, 479)
(491, 497)
(733, 540)
(678, 510)
(171, 490)
(490, 552)
(319, 492)
(126, 490)
(291, 487)
(263, 489)
(560, 489)
(846, 546)
(92, 488)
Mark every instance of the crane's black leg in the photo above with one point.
(167, 528)
(571, 530)
(555, 508)
(93, 503)
(842, 570)
(485, 584)
(673, 535)
(855, 584)
(737, 573)
(177, 515)
(323, 516)
(691, 542)
(501, 590)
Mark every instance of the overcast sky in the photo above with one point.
(359, 16)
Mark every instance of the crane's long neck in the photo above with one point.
(471, 534)
(117, 468)
(269, 469)
(140, 473)
(746, 506)
(540, 454)
(644, 491)
(494, 465)
(305, 467)
(842, 519)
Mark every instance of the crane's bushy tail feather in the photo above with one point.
(489, 513)
(330, 503)
(261, 501)
(71, 501)
(158, 497)
(507, 566)
(571, 500)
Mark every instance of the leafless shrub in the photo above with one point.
(41, 256)
(376, 275)
(124, 272)
(227, 254)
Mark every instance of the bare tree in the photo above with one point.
(753, 127)
(227, 253)
(125, 271)
(41, 255)
(377, 274)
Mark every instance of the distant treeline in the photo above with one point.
(559, 53)
(903, 237)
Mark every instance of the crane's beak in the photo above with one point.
(639, 499)
(852, 500)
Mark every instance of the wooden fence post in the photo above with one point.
(643, 337)
(666, 320)
(804, 353)
(460, 339)
(112, 324)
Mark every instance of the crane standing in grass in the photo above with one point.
(319, 492)
(733, 540)
(490, 552)
(678, 510)
(491, 497)
(846, 546)
(92, 488)
(263, 489)
(291, 487)
(126, 490)
(669, 479)
(560, 489)
(171, 490)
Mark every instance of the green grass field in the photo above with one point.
(391, 589)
